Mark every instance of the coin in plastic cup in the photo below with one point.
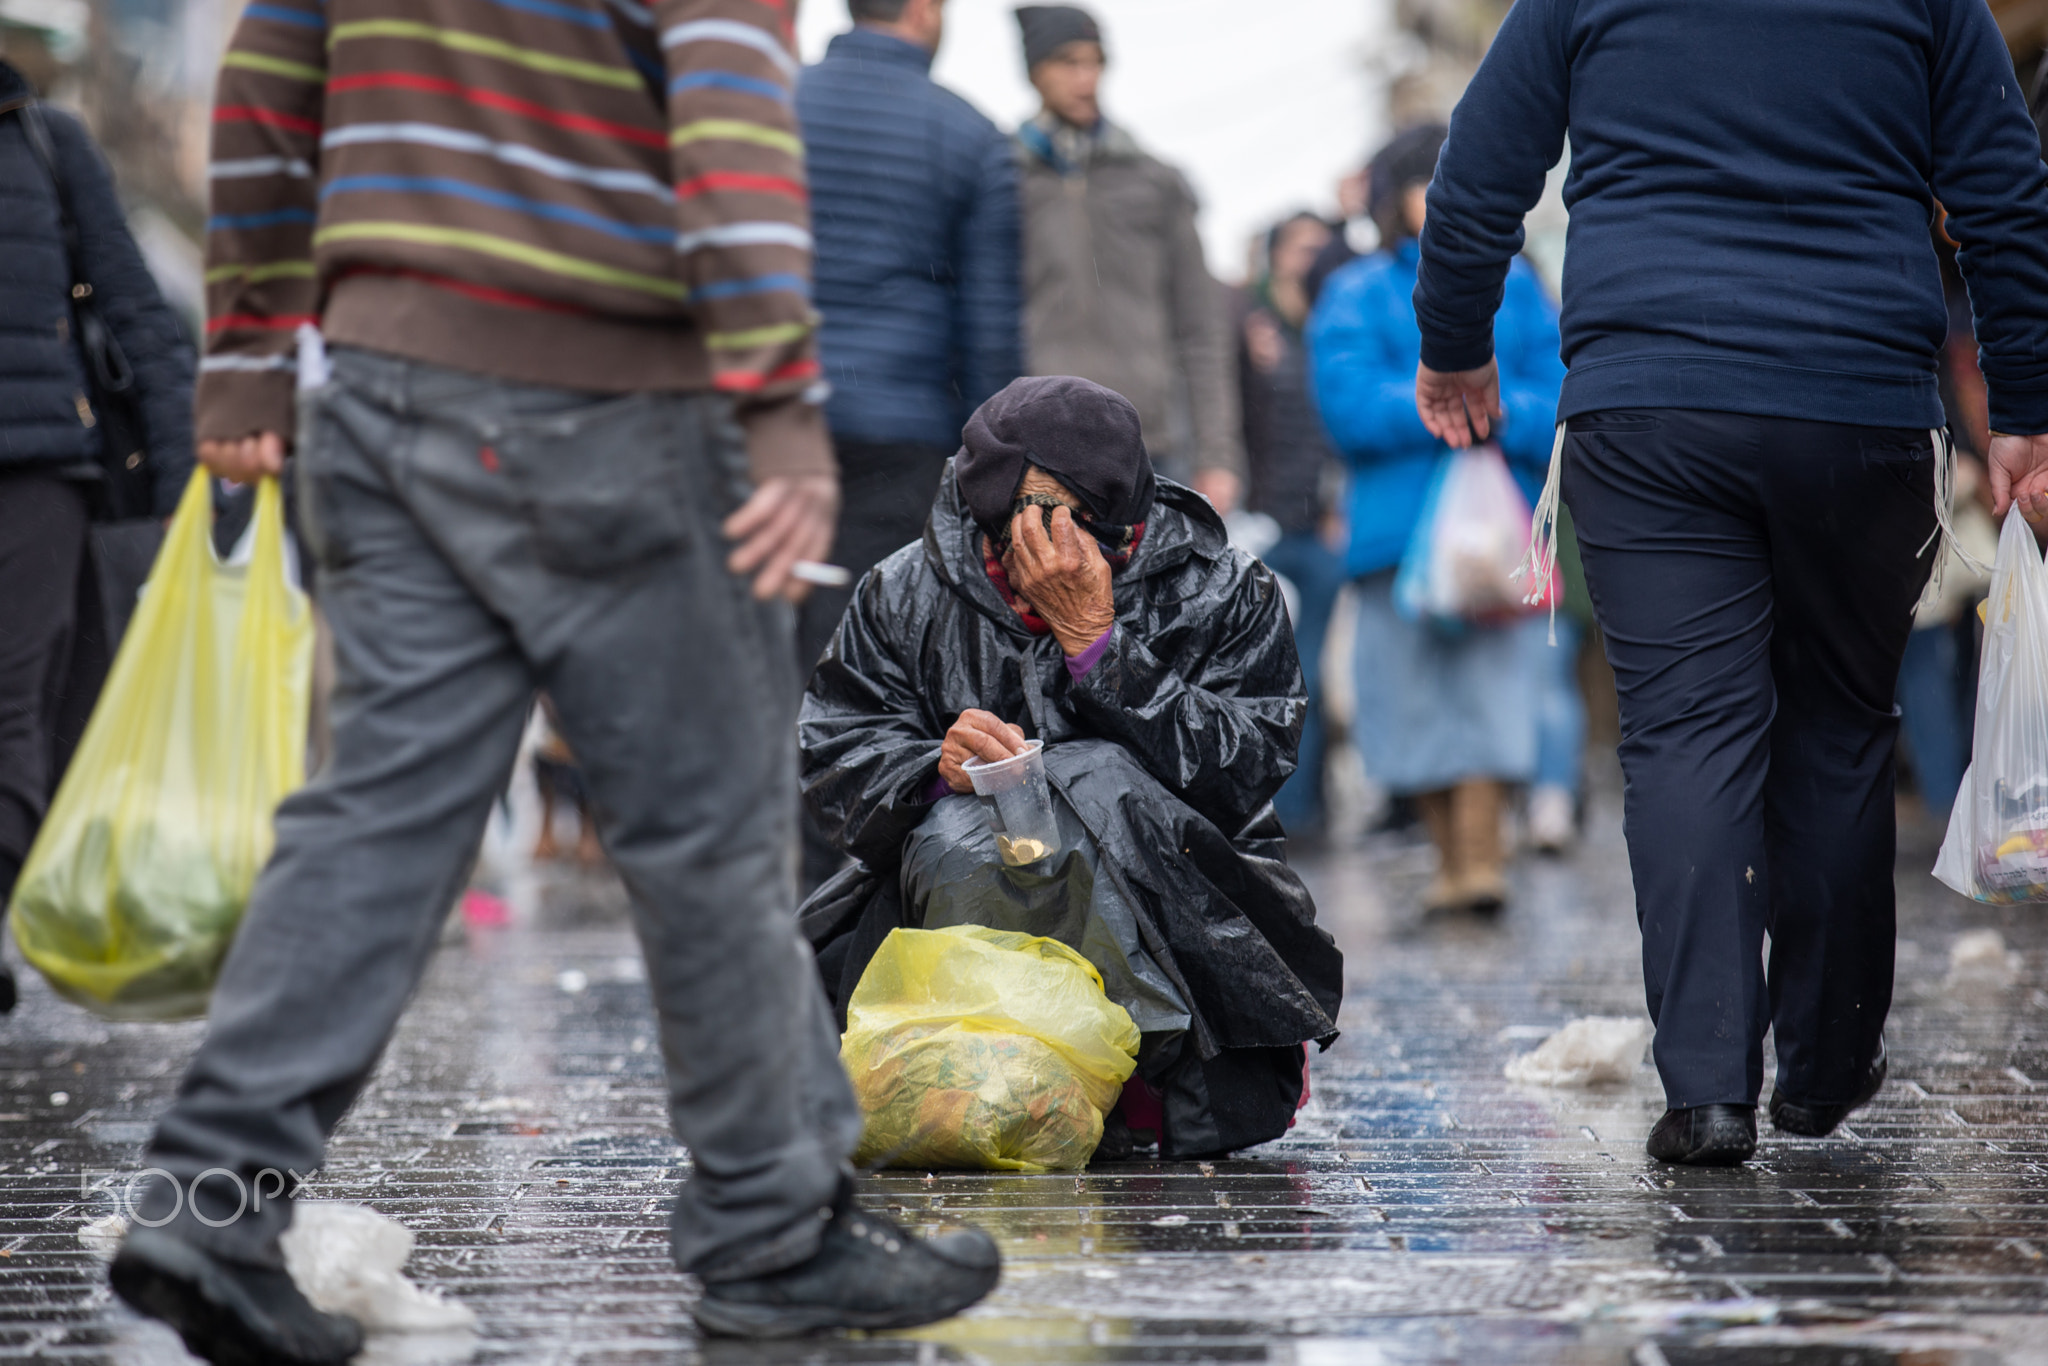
(1018, 802)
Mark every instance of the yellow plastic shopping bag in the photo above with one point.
(976, 1048)
(132, 891)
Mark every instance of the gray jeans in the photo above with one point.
(478, 540)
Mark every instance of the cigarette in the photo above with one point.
(822, 574)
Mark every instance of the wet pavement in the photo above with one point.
(1424, 1209)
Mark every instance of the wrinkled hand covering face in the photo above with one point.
(1112, 539)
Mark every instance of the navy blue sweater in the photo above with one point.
(1750, 191)
(914, 208)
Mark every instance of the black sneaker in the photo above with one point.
(1705, 1136)
(869, 1272)
(1818, 1121)
(7, 993)
(230, 1313)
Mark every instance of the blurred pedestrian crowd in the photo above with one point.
(592, 331)
(950, 258)
(935, 233)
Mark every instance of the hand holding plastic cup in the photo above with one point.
(1018, 802)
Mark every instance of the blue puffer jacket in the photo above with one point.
(42, 374)
(1363, 348)
(914, 207)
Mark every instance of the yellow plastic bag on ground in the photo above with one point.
(976, 1048)
(131, 894)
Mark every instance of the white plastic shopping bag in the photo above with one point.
(1997, 845)
(1468, 543)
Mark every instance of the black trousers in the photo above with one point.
(1755, 578)
(886, 493)
(46, 686)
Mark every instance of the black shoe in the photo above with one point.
(230, 1313)
(1818, 1121)
(8, 995)
(1118, 1143)
(869, 1272)
(1705, 1136)
(1121, 1143)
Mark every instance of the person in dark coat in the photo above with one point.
(914, 212)
(1063, 592)
(1116, 286)
(1751, 456)
(51, 660)
(1291, 467)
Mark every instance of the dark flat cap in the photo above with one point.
(1080, 433)
(1048, 28)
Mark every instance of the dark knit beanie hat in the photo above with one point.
(1410, 159)
(1048, 28)
(1080, 433)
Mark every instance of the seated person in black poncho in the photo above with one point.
(1062, 592)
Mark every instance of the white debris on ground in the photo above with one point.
(1596, 1048)
(1980, 958)
(347, 1260)
(102, 1237)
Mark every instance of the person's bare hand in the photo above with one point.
(1263, 342)
(245, 460)
(1461, 407)
(976, 735)
(1221, 487)
(788, 519)
(2019, 475)
(1061, 576)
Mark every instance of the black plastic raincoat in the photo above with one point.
(1166, 753)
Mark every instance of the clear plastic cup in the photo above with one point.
(1018, 802)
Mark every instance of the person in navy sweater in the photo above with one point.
(914, 211)
(1750, 446)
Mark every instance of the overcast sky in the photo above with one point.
(1263, 105)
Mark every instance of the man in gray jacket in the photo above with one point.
(1115, 286)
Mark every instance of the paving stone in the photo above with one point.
(1423, 1210)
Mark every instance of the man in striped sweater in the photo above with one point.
(568, 436)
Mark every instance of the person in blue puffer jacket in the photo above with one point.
(1447, 719)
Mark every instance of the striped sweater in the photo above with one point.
(595, 194)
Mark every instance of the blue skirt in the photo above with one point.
(1437, 706)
